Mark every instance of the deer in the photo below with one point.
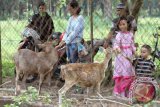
(84, 74)
(30, 62)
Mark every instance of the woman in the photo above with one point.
(74, 32)
(42, 22)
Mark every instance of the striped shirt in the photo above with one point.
(144, 67)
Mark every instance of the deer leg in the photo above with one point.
(40, 82)
(88, 92)
(98, 87)
(16, 81)
(63, 90)
(56, 84)
(24, 80)
(49, 78)
(66, 87)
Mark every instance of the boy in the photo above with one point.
(144, 66)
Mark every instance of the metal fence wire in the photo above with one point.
(14, 15)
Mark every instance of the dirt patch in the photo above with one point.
(72, 99)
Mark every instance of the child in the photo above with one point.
(144, 68)
(82, 49)
(123, 70)
(144, 65)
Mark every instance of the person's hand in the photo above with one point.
(62, 43)
(57, 47)
(117, 50)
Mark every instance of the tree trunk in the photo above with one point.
(54, 8)
(2, 9)
(107, 8)
(35, 5)
(0, 58)
(127, 6)
(150, 8)
(85, 9)
(136, 8)
(81, 2)
(21, 9)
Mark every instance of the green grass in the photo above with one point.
(8, 69)
(11, 34)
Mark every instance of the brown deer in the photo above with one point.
(84, 74)
(29, 62)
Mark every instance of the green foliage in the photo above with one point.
(11, 105)
(8, 69)
(158, 93)
(157, 71)
(66, 102)
(46, 99)
(28, 97)
(60, 4)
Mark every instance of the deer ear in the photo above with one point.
(107, 50)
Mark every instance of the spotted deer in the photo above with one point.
(84, 74)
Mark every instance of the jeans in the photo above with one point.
(72, 52)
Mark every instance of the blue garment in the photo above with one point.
(72, 52)
(74, 31)
(73, 36)
(81, 47)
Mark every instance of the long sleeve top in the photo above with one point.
(43, 25)
(144, 67)
(125, 41)
(74, 31)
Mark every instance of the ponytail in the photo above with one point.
(78, 10)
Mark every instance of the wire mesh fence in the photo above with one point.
(15, 15)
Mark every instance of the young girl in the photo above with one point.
(124, 47)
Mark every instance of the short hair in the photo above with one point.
(121, 6)
(147, 47)
(41, 4)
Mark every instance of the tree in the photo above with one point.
(0, 59)
(133, 7)
(2, 9)
(136, 6)
(107, 5)
(34, 5)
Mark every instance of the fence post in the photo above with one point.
(91, 27)
(0, 58)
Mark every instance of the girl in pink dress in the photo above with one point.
(124, 47)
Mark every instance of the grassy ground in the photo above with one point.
(11, 34)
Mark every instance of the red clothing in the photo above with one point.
(61, 37)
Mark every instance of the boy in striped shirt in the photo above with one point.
(144, 88)
(144, 66)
